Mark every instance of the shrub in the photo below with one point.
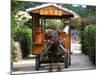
(89, 42)
(24, 36)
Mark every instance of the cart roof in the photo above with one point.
(51, 10)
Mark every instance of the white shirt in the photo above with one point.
(66, 29)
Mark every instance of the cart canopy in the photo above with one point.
(51, 10)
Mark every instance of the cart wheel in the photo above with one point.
(37, 65)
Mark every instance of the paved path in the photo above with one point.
(79, 62)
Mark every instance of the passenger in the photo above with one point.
(66, 29)
(67, 39)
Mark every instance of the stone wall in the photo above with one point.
(16, 51)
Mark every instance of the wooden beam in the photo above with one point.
(35, 20)
(56, 17)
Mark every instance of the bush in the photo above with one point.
(24, 36)
(75, 24)
(89, 42)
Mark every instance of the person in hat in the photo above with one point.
(67, 38)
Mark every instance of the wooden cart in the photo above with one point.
(39, 15)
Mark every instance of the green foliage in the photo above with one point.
(75, 24)
(91, 20)
(89, 42)
(28, 23)
(22, 5)
(83, 12)
(54, 22)
(17, 6)
(24, 36)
